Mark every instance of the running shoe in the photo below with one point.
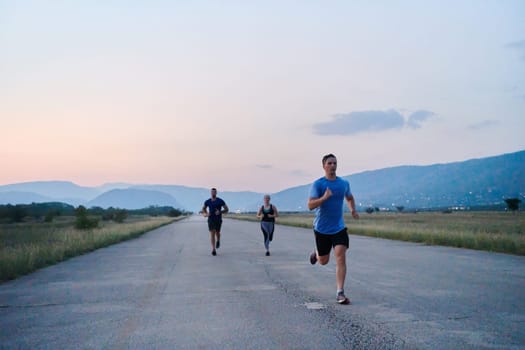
(342, 299)
(213, 252)
(267, 253)
(313, 258)
(217, 245)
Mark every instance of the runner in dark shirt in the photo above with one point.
(213, 209)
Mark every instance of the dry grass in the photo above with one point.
(26, 247)
(491, 231)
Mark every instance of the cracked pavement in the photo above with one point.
(164, 290)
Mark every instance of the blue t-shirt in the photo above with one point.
(213, 206)
(329, 215)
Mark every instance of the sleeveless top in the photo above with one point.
(267, 211)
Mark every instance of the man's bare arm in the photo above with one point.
(350, 201)
(316, 202)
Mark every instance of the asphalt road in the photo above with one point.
(164, 290)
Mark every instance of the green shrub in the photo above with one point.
(83, 222)
(120, 215)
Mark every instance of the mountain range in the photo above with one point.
(476, 182)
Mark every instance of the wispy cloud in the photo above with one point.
(483, 124)
(370, 121)
(264, 166)
(520, 44)
(517, 46)
(299, 173)
(415, 119)
(357, 122)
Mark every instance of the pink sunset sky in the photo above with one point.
(249, 95)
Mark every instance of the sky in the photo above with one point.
(249, 95)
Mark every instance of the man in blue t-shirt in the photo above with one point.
(217, 207)
(326, 197)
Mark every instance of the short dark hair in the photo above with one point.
(328, 156)
(213, 189)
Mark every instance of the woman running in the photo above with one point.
(267, 213)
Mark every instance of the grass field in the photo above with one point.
(491, 231)
(25, 247)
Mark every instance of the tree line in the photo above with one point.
(46, 212)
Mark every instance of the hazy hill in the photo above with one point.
(63, 191)
(192, 198)
(473, 182)
(241, 201)
(19, 197)
(133, 199)
(292, 199)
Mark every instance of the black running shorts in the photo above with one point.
(325, 242)
(214, 225)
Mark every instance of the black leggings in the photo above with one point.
(267, 228)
